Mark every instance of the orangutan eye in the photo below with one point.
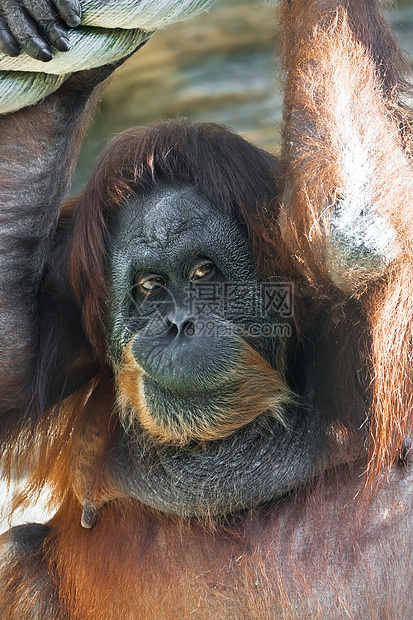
(149, 284)
(204, 270)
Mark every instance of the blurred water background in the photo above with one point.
(218, 67)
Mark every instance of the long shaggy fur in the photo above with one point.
(346, 83)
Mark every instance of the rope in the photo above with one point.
(110, 30)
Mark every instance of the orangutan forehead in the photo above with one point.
(172, 224)
(168, 213)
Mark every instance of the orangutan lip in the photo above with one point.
(153, 383)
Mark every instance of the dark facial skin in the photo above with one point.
(160, 242)
(171, 251)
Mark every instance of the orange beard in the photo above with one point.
(253, 388)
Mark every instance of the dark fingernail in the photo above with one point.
(62, 44)
(11, 50)
(73, 19)
(44, 54)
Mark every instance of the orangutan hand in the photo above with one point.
(34, 25)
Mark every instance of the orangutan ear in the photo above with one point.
(348, 175)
